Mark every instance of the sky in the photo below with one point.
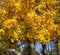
(38, 46)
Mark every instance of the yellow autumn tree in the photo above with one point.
(29, 20)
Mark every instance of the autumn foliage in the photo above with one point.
(29, 19)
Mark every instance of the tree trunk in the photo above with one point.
(43, 51)
(57, 47)
(34, 45)
(29, 47)
(51, 48)
(48, 50)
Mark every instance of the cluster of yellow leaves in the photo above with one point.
(17, 5)
(27, 19)
(2, 11)
(15, 34)
(2, 31)
(44, 36)
(45, 21)
(10, 23)
(50, 2)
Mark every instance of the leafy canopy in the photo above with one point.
(29, 19)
